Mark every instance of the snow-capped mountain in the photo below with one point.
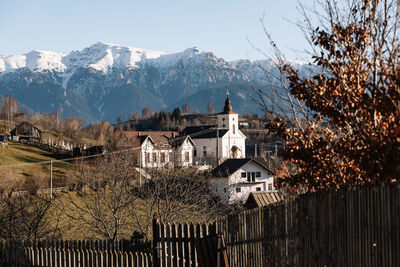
(103, 81)
(100, 56)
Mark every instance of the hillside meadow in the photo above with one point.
(19, 161)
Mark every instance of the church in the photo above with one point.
(214, 144)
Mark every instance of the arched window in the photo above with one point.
(233, 129)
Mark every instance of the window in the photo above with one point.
(155, 157)
(216, 189)
(162, 157)
(258, 174)
(243, 175)
(270, 187)
(223, 125)
(195, 153)
(233, 129)
(258, 188)
(233, 119)
(238, 189)
(223, 119)
(248, 176)
(253, 176)
(204, 151)
(171, 157)
(147, 159)
(187, 156)
(225, 190)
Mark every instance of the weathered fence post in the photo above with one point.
(155, 241)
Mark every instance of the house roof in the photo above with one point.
(259, 199)
(177, 142)
(230, 166)
(158, 138)
(27, 129)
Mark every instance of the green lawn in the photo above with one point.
(18, 161)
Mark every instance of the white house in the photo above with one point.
(183, 151)
(162, 149)
(224, 139)
(235, 179)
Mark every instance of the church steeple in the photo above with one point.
(228, 106)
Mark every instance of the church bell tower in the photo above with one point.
(228, 119)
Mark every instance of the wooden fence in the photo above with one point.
(343, 228)
(72, 254)
(174, 244)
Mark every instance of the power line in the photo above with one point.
(69, 159)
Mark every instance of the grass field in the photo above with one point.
(19, 161)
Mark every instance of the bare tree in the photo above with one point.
(9, 108)
(25, 214)
(210, 107)
(99, 199)
(174, 195)
(186, 108)
(146, 113)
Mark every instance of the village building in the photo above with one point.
(224, 139)
(26, 131)
(235, 179)
(183, 149)
(160, 149)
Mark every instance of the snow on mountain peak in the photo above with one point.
(193, 54)
(34, 60)
(100, 56)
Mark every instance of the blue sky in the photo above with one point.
(221, 26)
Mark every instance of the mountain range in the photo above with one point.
(104, 80)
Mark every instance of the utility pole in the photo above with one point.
(140, 167)
(51, 179)
(217, 150)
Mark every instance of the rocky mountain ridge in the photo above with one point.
(103, 81)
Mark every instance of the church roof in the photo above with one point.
(209, 134)
(199, 132)
(230, 166)
(227, 106)
(194, 129)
